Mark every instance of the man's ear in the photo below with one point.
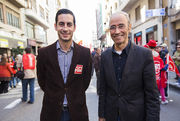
(74, 28)
(129, 27)
(55, 27)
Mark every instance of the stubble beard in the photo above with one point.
(65, 40)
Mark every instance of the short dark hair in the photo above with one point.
(3, 60)
(65, 11)
(28, 50)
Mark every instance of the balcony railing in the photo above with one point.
(18, 3)
(126, 5)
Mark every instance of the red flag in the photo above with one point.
(172, 67)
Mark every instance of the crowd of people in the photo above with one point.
(18, 70)
(8, 69)
(129, 77)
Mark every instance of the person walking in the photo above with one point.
(176, 58)
(64, 73)
(97, 62)
(5, 75)
(160, 69)
(29, 76)
(12, 82)
(128, 89)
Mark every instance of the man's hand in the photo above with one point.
(102, 119)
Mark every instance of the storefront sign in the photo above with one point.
(32, 42)
(138, 34)
(150, 30)
(20, 44)
(4, 43)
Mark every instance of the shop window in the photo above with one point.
(137, 12)
(151, 4)
(13, 18)
(1, 13)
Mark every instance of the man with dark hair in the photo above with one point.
(29, 75)
(28, 50)
(64, 73)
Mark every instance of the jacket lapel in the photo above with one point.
(56, 63)
(74, 62)
(111, 67)
(129, 62)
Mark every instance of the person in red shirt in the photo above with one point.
(29, 76)
(5, 75)
(12, 82)
(160, 70)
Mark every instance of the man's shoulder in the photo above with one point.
(47, 48)
(107, 51)
(140, 48)
(81, 48)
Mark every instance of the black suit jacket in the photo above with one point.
(137, 98)
(51, 82)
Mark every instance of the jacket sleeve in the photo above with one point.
(152, 104)
(87, 75)
(102, 93)
(9, 68)
(40, 70)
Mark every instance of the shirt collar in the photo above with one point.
(125, 50)
(59, 47)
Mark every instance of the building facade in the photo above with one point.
(144, 26)
(171, 23)
(36, 17)
(103, 13)
(12, 30)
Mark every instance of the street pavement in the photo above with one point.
(12, 109)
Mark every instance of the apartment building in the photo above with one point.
(144, 28)
(12, 33)
(171, 23)
(54, 6)
(103, 13)
(36, 17)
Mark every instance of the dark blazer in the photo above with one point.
(51, 82)
(137, 98)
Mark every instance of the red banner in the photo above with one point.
(172, 65)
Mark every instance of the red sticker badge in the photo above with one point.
(78, 69)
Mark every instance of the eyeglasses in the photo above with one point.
(120, 26)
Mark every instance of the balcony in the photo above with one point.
(174, 14)
(37, 19)
(18, 3)
(126, 5)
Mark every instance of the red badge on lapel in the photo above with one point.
(78, 69)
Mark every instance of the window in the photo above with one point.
(29, 30)
(137, 12)
(13, 18)
(34, 8)
(41, 12)
(47, 17)
(116, 6)
(47, 2)
(1, 13)
(151, 4)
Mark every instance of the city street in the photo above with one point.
(12, 109)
